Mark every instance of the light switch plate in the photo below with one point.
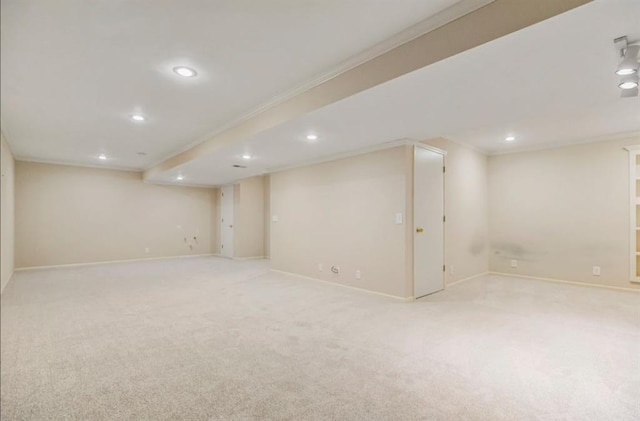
(274, 218)
(399, 218)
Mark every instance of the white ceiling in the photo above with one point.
(549, 84)
(74, 70)
(72, 75)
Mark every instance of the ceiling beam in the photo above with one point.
(495, 20)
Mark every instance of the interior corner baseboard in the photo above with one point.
(562, 281)
(459, 281)
(368, 291)
(106, 262)
(7, 283)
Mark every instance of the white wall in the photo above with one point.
(248, 218)
(342, 213)
(559, 212)
(267, 216)
(7, 201)
(67, 214)
(466, 209)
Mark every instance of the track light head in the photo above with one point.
(628, 82)
(629, 63)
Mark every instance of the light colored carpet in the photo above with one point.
(212, 339)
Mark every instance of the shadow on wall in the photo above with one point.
(478, 244)
(514, 251)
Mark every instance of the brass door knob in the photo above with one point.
(419, 229)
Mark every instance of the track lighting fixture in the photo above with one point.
(628, 67)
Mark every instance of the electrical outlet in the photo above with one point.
(274, 218)
(320, 267)
(452, 270)
(147, 250)
(358, 274)
(514, 263)
(596, 271)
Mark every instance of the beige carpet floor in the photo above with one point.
(213, 339)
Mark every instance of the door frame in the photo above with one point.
(444, 210)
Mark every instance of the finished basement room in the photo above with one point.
(320, 210)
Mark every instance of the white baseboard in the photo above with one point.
(142, 259)
(368, 291)
(562, 281)
(249, 258)
(459, 281)
(7, 283)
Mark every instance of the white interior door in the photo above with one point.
(226, 222)
(428, 216)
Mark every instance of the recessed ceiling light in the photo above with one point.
(102, 156)
(185, 71)
(137, 117)
(246, 156)
(510, 138)
(312, 137)
(180, 177)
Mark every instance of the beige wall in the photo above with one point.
(248, 215)
(466, 209)
(7, 201)
(559, 212)
(67, 214)
(216, 238)
(342, 213)
(267, 216)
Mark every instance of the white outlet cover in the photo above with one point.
(596, 270)
(320, 267)
(399, 218)
(514, 263)
(274, 218)
(358, 274)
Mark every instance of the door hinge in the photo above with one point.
(444, 268)
(221, 246)
(444, 218)
(444, 169)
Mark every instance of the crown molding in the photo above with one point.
(584, 141)
(181, 184)
(76, 164)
